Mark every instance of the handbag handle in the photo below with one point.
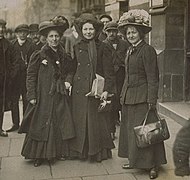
(146, 116)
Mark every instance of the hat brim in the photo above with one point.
(46, 29)
(21, 29)
(145, 29)
(107, 29)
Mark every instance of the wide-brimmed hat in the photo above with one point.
(34, 27)
(87, 17)
(3, 22)
(111, 26)
(59, 23)
(22, 27)
(135, 17)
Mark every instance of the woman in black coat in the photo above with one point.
(49, 77)
(139, 93)
(92, 139)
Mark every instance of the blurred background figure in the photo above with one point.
(35, 35)
(105, 18)
(8, 69)
(24, 49)
(115, 50)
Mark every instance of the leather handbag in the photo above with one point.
(152, 133)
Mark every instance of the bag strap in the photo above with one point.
(146, 116)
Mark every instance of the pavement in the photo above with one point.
(14, 167)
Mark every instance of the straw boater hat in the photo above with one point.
(135, 17)
(60, 23)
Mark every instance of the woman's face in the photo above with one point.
(88, 31)
(133, 36)
(53, 38)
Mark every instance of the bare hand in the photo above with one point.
(33, 101)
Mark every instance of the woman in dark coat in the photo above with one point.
(48, 79)
(139, 93)
(92, 139)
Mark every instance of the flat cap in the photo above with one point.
(105, 16)
(34, 27)
(111, 26)
(22, 27)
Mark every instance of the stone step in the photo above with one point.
(178, 111)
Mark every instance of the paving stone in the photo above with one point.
(75, 168)
(16, 146)
(4, 146)
(63, 179)
(112, 177)
(163, 175)
(17, 168)
(114, 165)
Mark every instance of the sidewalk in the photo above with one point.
(14, 167)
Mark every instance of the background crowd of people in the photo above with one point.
(53, 73)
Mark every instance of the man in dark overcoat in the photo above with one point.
(115, 50)
(105, 18)
(24, 48)
(8, 70)
(35, 35)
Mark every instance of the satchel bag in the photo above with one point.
(152, 133)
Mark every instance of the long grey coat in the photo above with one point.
(87, 120)
(45, 82)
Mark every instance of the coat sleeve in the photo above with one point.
(108, 71)
(14, 58)
(32, 75)
(152, 73)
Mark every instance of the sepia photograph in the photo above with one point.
(94, 89)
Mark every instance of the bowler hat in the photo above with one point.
(105, 16)
(111, 26)
(34, 27)
(22, 27)
(135, 17)
(3, 22)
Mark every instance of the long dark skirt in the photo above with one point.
(54, 147)
(142, 158)
(97, 142)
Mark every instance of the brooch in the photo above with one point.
(57, 62)
(45, 62)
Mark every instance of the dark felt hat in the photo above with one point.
(22, 27)
(3, 22)
(105, 16)
(34, 27)
(111, 26)
(59, 23)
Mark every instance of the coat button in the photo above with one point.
(77, 91)
(78, 78)
(88, 64)
(78, 64)
(47, 123)
(80, 50)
